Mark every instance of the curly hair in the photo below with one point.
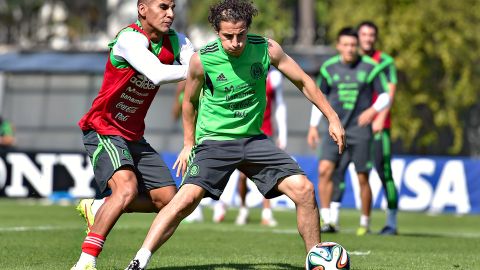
(231, 11)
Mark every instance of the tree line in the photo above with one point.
(436, 45)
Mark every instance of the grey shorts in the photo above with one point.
(358, 150)
(110, 153)
(257, 157)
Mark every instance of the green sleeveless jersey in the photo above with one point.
(233, 98)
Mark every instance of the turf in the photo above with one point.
(36, 236)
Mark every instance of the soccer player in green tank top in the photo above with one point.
(230, 74)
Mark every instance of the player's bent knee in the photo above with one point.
(162, 196)
(301, 191)
(325, 171)
(126, 195)
(185, 207)
(306, 190)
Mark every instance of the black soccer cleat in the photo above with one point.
(328, 228)
(387, 230)
(134, 265)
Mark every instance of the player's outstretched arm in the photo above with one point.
(193, 86)
(133, 48)
(302, 81)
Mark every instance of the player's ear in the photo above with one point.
(142, 9)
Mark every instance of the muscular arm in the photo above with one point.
(193, 87)
(195, 80)
(133, 48)
(304, 83)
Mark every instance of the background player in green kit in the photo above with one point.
(381, 154)
(367, 36)
(230, 74)
(349, 80)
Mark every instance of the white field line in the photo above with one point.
(36, 228)
(213, 227)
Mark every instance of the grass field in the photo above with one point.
(34, 236)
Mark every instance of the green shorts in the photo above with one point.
(110, 153)
(257, 157)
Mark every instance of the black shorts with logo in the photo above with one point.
(110, 153)
(212, 163)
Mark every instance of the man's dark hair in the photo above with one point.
(368, 24)
(347, 31)
(231, 11)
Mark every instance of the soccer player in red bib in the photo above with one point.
(125, 166)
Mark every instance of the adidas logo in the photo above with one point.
(221, 78)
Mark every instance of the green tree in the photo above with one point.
(275, 18)
(436, 45)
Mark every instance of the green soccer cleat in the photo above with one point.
(361, 231)
(89, 266)
(84, 207)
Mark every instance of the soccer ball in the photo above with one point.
(327, 256)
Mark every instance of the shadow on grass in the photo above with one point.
(234, 266)
(425, 235)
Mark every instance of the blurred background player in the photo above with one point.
(274, 98)
(7, 136)
(348, 80)
(141, 58)
(367, 37)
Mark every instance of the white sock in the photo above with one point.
(85, 259)
(334, 212)
(96, 205)
(143, 256)
(196, 215)
(325, 215)
(365, 221)
(392, 218)
(267, 213)
(243, 211)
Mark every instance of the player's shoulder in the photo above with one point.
(367, 60)
(130, 31)
(256, 39)
(370, 65)
(386, 58)
(210, 48)
(330, 62)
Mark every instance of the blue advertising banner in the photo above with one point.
(431, 184)
(428, 184)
